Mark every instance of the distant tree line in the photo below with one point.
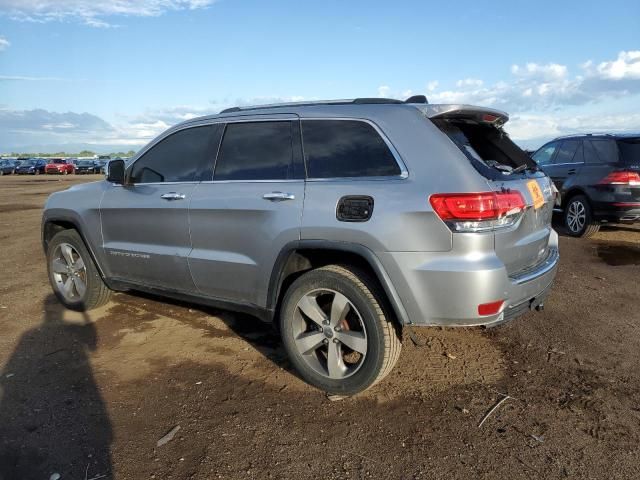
(83, 153)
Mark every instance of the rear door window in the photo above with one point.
(567, 152)
(346, 148)
(606, 150)
(256, 151)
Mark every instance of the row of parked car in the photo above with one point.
(63, 166)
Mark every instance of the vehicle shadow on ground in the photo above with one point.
(262, 336)
(52, 416)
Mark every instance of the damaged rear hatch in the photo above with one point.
(478, 133)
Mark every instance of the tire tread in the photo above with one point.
(392, 342)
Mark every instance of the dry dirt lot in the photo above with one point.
(87, 396)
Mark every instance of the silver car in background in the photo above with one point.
(339, 221)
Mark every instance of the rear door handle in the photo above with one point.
(571, 171)
(278, 196)
(173, 196)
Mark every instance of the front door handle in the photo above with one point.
(278, 196)
(173, 196)
(571, 171)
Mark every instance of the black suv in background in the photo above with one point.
(598, 177)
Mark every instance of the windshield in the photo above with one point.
(630, 150)
(58, 160)
(28, 162)
(85, 163)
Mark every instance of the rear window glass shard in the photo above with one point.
(489, 148)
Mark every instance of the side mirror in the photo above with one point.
(115, 172)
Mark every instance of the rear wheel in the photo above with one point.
(578, 218)
(336, 332)
(73, 275)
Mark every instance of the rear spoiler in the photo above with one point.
(458, 111)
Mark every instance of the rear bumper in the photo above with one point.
(620, 212)
(619, 203)
(445, 290)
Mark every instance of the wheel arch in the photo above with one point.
(53, 224)
(572, 192)
(303, 255)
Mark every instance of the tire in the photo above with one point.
(61, 271)
(578, 219)
(353, 293)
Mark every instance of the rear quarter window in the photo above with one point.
(630, 151)
(346, 148)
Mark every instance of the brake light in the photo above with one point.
(621, 178)
(476, 212)
(487, 117)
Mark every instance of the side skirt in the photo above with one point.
(263, 314)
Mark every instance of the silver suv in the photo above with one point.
(339, 221)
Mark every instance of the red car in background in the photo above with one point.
(59, 165)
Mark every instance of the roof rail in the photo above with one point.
(585, 135)
(355, 101)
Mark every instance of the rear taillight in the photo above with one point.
(624, 177)
(478, 212)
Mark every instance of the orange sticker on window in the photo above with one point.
(536, 193)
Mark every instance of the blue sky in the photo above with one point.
(117, 72)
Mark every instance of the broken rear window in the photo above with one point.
(488, 148)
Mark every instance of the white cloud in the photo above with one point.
(21, 78)
(540, 87)
(469, 82)
(537, 94)
(532, 130)
(4, 44)
(549, 71)
(24, 128)
(383, 91)
(626, 66)
(28, 127)
(93, 12)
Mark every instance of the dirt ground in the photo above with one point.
(88, 396)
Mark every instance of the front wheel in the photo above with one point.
(578, 218)
(73, 275)
(336, 332)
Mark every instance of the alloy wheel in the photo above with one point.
(329, 333)
(576, 216)
(69, 272)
